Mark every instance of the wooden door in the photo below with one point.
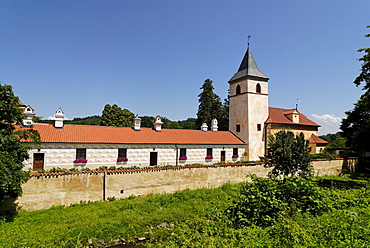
(38, 161)
(223, 155)
(153, 158)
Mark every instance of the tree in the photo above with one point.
(356, 126)
(210, 105)
(12, 151)
(189, 123)
(288, 155)
(330, 137)
(223, 117)
(116, 117)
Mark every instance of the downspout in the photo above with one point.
(177, 155)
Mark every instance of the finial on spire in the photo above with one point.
(249, 37)
(296, 105)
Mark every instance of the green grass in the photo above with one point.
(193, 218)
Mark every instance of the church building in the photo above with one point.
(251, 118)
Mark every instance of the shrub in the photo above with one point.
(262, 201)
(323, 155)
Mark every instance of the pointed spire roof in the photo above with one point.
(248, 67)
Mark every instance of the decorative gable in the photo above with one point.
(292, 115)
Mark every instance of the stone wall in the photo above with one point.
(46, 190)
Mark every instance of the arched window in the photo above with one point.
(238, 91)
(258, 88)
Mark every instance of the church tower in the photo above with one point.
(249, 106)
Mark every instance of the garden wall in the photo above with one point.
(50, 189)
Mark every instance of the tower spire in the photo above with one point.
(248, 67)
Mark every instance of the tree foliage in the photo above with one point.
(356, 126)
(210, 106)
(115, 116)
(12, 152)
(89, 120)
(288, 155)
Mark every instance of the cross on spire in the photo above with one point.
(249, 37)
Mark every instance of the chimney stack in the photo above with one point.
(137, 123)
(59, 118)
(157, 123)
(204, 127)
(214, 125)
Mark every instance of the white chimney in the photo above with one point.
(204, 127)
(214, 126)
(59, 118)
(157, 123)
(137, 123)
(28, 112)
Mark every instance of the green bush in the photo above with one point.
(265, 199)
(323, 155)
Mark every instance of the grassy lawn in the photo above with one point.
(194, 218)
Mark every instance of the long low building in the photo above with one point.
(77, 146)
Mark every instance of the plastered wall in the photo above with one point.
(45, 191)
(63, 155)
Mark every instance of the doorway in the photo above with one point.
(223, 155)
(38, 161)
(153, 158)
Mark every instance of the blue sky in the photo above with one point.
(152, 57)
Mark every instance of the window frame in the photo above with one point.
(80, 153)
(182, 152)
(122, 152)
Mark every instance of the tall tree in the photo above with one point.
(116, 117)
(288, 155)
(12, 152)
(210, 105)
(356, 126)
(223, 117)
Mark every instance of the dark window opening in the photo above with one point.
(238, 90)
(258, 88)
(81, 153)
(182, 152)
(258, 127)
(238, 128)
(209, 152)
(122, 153)
(235, 151)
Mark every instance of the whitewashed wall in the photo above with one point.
(63, 155)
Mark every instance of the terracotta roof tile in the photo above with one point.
(127, 135)
(277, 115)
(317, 140)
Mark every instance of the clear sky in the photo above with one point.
(152, 57)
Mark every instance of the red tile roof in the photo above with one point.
(315, 139)
(127, 135)
(278, 115)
